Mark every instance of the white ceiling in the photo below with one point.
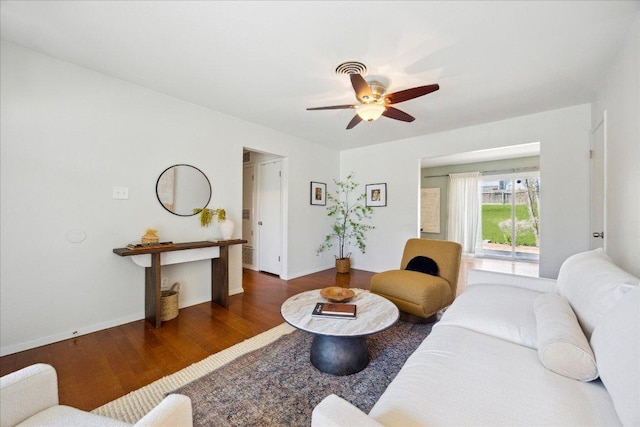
(266, 61)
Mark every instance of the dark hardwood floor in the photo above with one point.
(96, 368)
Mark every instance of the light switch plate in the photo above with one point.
(121, 193)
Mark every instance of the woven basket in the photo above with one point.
(343, 265)
(169, 303)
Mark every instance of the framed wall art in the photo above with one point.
(430, 210)
(376, 195)
(318, 193)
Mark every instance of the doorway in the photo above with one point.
(269, 216)
(510, 217)
(262, 219)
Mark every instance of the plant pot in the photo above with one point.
(226, 229)
(343, 265)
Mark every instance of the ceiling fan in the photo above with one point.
(375, 102)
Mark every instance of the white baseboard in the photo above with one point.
(50, 339)
(307, 272)
(236, 290)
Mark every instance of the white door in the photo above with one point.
(598, 187)
(269, 216)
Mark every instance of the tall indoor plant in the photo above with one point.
(347, 229)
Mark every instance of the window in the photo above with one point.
(510, 210)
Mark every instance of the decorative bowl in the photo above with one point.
(337, 294)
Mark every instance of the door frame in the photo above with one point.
(284, 199)
(602, 123)
(259, 209)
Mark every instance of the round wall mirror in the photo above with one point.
(183, 188)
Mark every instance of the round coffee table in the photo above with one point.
(339, 346)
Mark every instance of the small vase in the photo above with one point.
(226, 228)
(211, 234)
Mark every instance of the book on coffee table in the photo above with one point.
(334, 310)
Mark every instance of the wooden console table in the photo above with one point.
(219, 272)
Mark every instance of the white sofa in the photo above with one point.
(508, 352)
(29, 397)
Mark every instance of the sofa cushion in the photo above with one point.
(501, 311)
(592, 284)
(458, 377)
(562, 346)
(616, 344)
(423, 264)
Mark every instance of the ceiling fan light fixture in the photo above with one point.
(373, 99)
(370, 112)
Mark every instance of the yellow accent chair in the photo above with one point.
(420, 296)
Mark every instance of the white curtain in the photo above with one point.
(464, 210)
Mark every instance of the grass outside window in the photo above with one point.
(493, 215)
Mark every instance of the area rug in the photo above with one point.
(278, 386)
(133, 406)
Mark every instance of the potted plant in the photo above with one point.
(206, 218)
(347, 228)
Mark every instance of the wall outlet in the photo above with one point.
(164, 283)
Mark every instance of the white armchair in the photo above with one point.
(29, 397)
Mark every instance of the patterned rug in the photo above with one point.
(278, 386)
(131, 407)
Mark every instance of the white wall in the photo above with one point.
(564, 167)
(564, 136)
(68, 135)
(619, 94)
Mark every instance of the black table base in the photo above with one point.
(339, 355)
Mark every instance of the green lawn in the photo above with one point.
(492, 215)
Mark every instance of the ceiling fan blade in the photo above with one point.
(407, 94)
(333, 107)
(356, 119)
(394, 113)
(362, 88)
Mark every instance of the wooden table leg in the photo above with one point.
(220, 278)
(152, 308)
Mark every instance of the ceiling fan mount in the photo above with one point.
(378, 85)
(374, 100)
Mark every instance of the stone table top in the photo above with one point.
(373, 314)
